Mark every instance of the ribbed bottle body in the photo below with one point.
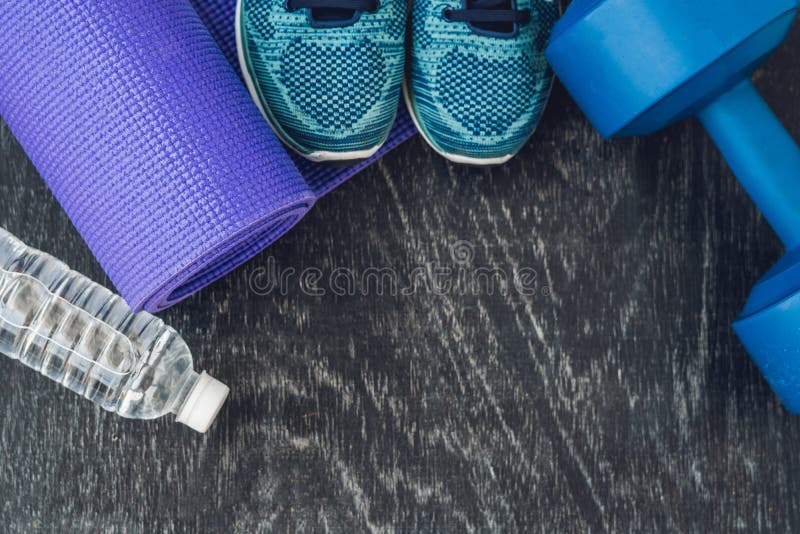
(83, 336)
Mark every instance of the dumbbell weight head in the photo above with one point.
(635, 66)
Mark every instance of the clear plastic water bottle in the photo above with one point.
(83, 336)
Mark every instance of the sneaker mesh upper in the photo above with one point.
(330, 89)
(474, 94)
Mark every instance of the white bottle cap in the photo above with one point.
(203, 404)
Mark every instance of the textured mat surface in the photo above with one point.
(141, 127)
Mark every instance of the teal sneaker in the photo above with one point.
(325, 73)
(477, 80)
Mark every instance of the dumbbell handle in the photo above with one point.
(761, 154)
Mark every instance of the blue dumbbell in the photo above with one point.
(635, 66)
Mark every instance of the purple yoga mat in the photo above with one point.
(138, 122)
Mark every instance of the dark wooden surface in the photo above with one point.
(615, 397)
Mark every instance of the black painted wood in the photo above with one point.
(613, 396)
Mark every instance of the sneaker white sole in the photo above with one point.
(320, 156)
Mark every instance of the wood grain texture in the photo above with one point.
(614, 398)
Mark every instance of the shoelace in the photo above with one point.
(349, 5)
(487, 11)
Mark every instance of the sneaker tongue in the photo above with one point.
(494, 27)
(332, 15)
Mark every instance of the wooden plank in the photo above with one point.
(613, 397)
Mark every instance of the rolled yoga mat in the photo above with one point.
(135, 117)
